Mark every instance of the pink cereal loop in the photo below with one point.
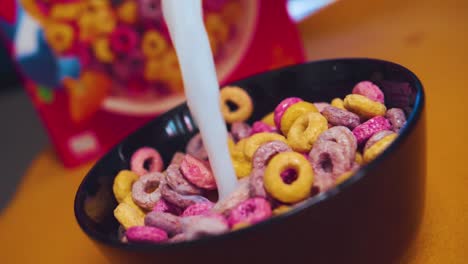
(369, 90)
(251, 211)
(198, 209)
(123, 39)
(146, 154)
(145, 234)
(259, 127)
(365, 130)
(197, 173)
(282, 107)
(163, 206)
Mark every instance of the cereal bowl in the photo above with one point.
(371, 217)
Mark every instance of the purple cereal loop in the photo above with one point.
(321, 106)
(146, 190)
(342, 136)
(164, 221)
(397, 118)
(198, 209)
(196, 148)
(282, 107)
(377, 137)
(182, 201)
(257, 188)
(240, 130)
(145, 234)
(179, 183)
(240, 194)
(251, 211)
(150, 11)
(163, 206)
(143, 155)
(199, 226)
(365, 130)
(266, 151)
(369, 90)
(259, 127)
(340, 117)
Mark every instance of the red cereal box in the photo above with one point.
(96, 70)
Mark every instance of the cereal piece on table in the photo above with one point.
(164, 221)
(259, 127)
(240, 130)
(265, 152)
(197, 173)
(342, 136)
(196, 148)
(153, 44)
(376, 137)
(240, 194)
(240, 98)
(338, 103)
(305, 131)
(269, 119)
(293, 112)
(369, 90)
(127, 12)
(146, 156)
(179, 183)
(59, 36)
(102, 50)
(145, 234)
(251, 211)
(367, 129)
(255, 141)
(296, 191)
(397, 118)
(123, 183)
(341, 117)
(372, 152)
(198, 209)
(281, 109)
(128, 216)
(146, 192)
(363, 106)
(321, 106)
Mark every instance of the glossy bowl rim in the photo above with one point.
(413, 119)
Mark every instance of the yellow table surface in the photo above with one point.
(428, 36)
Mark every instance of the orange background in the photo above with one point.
(428, 36)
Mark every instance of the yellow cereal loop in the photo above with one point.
(128, 216)
(305, 131)
(129, 200)
(123, 183)
(363, 106)
(299, 189)
(343, 177)
(66, 11)
(153, 44)
(240, 226)
(152, 71)
(238, 97)
(358, 158)
(102, 50)
(127, 12)
(59, 36)
(231, 145)
(338, 103)
(242, 167)
(372, 152)
(281, 209)
(255, 141)
(293, 112)
(269, 119)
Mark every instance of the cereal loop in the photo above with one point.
(281, 210)
(299, 189)
(255, 141)
(123, 183)
(269, 119)
(178, 182)
(294, 112)
(59, 36)
(127, 12)
(68, 11)
(367, 129)
(379, 147)
(129, 200)
(196, 148)
(266, 151)
(145, 234)
(259, 127)
(359, 159)
(240, 130)
(251, 211)
(342, 136)
(397, 118)
(153, 44)
(338, 103)
(369, 90)
(128, 216)
(123, 39)
(241, 99)
(102, 50)
(340, 117)
(197, 173)
(376, 138)
(363, 106)
(145, 191)
(164, 221)
(281, 108)
(321, 106)
(305, 131)
(242, 167)
(198, 209)
(146, 156)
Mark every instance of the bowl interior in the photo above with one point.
(315, 82)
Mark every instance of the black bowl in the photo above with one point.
(370, 218)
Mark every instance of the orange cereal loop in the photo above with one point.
(241, 99)
(269, 119)
(153, 44)
(152, 70)
(102, 50)
(216, 27)
(66, 11)
(59, 36)
(294, 112)
(295, 191)
(281, 209)
(127, 12)
(231, 12)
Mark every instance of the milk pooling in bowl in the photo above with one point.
(188, 34)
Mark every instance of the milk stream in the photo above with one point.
(188, 33)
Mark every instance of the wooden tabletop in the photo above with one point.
(427, 36)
